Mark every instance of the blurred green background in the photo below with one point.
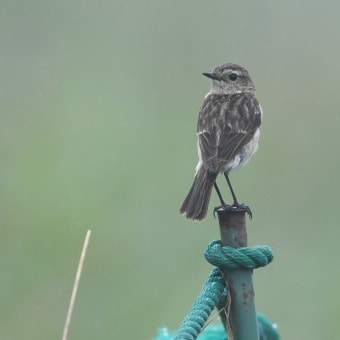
(99, 103)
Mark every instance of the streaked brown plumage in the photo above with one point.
(228, 133)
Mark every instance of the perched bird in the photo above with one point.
(228, 134)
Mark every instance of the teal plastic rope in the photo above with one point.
(214, 293)
(237, 258)
(267, 331)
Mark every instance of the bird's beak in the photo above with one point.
(211, 75)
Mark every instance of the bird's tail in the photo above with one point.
(195, 205)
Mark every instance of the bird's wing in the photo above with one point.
(223, 137)
(231, 144)
(219, 149)
(208, 146)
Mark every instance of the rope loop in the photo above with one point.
(237, 258)
(214, 291)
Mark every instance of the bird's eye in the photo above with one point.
(233, 76)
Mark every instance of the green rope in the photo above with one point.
(267, 330)
(237, 258)
(214, 293)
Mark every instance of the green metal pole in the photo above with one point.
(242, 313)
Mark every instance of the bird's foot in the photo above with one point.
(236, 207)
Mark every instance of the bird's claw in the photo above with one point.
(236, 207)
(246, 209)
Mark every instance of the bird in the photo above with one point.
(228, 131)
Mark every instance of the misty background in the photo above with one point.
(99, 103)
